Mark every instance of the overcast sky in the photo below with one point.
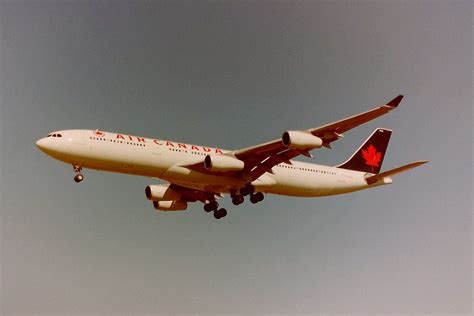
(233, 74)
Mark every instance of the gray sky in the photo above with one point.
(233, 74)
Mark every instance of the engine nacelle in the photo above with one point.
(301, 140)
(161, 192)
(222, 163)
(170, 205)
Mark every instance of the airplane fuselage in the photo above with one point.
(198, 173)
(165, 160)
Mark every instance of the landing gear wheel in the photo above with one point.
(78, 177)
(257, 197)
(237, 200)
(207, 207)
(211, 206)
(220, 213)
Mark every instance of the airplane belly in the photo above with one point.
(197, 180)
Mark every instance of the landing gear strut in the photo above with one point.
(78, 177)
(246, 190)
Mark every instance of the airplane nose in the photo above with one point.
(41, 144)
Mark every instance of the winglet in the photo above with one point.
(395, 102)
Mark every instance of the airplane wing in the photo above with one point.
(261, 158)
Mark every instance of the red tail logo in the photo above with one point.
(371, 156)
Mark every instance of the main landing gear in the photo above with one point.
(237, 199)
(246, 190)
(78, 177)
(214, 206)
(220, 213)
(211, 206)
(255, 197)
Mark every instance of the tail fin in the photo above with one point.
(369, 156)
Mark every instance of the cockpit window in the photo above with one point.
(55, 135)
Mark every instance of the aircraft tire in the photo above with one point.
(207, 207)
(78, 177)
(237, 200)
(211, 206)
(220, 213)
(254, 198)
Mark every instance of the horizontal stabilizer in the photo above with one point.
(380, 176)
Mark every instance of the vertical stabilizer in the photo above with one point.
(369, 156)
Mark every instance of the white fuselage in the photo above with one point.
(162, 159)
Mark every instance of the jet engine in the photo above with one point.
(222, 163)
(161, 192)
(170, 205)
(300, 140)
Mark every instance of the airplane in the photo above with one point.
(198, 173)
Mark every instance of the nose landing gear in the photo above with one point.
(78, 177)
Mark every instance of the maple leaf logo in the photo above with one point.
(372, 157)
